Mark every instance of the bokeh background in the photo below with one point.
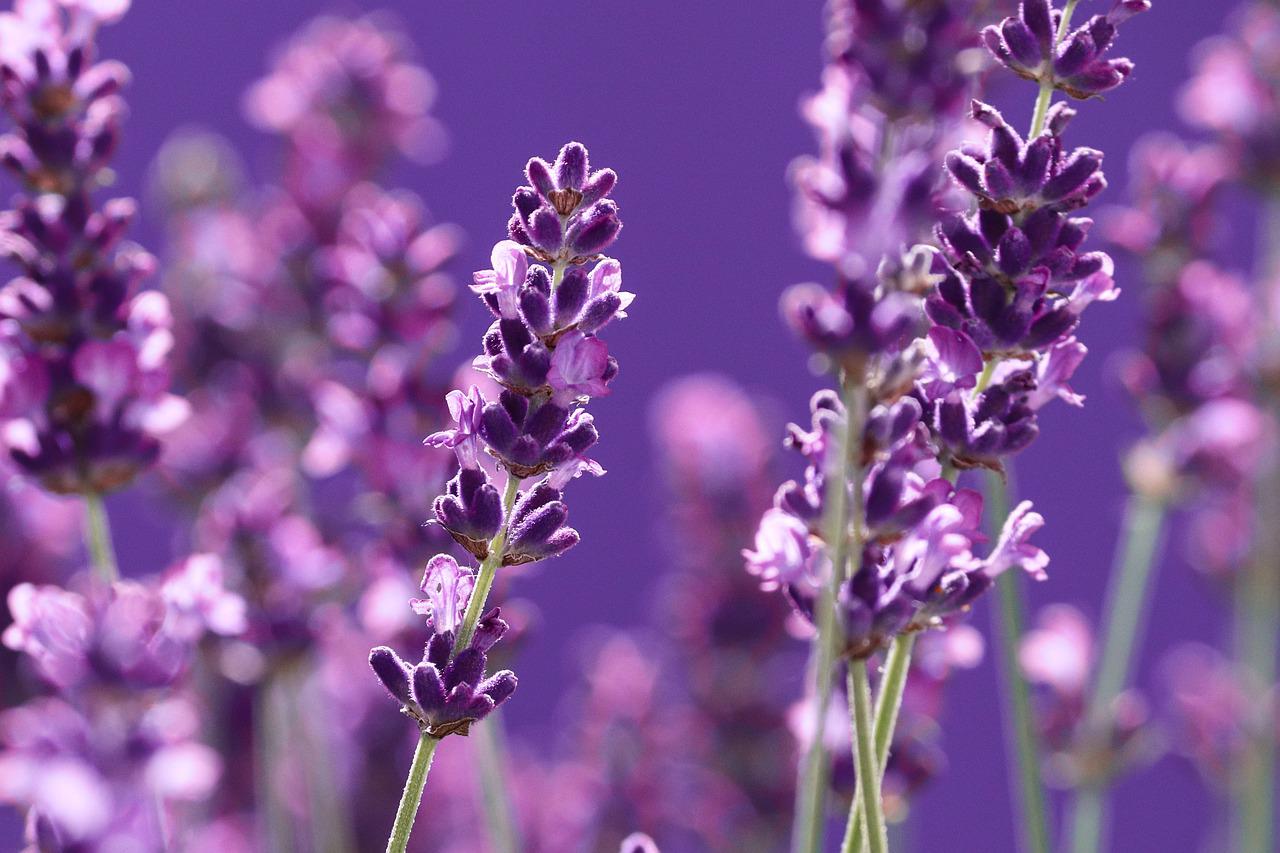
(694, 104)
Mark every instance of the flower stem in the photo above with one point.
(843, 469)
(412, 795)
(1257, 596)
(865, 754)
(488, 569)
(1126, 602)
(888, 703)
(97, 536)
(475, 608)
(1025, 744)
(498, 811)
(1046, 84)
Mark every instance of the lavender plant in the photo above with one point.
(85, 383)
(876, 542)
(551, 292)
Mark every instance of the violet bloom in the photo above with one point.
(1233, 91)
(446, 693)
(1027, 45)
(1059, 655)
(86, 418)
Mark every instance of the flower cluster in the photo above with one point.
(1204, 351)
(83, 355)
(447, 692)
(114, 751)
(550, 293)
(1059, 656)
(1028, 44)
(1242, 62)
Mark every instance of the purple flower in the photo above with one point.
(503, 282)
(977, 431)
(471, 510)
(579, 367)
(1013, 550)
(1026, 44)
(446, 693)
(198, 600)
(466, 410)
(448, 589)
(784, 551)
(95, 405)
(565, 214)
(537, 528)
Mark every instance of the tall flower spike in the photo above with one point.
(86, 377)
(551, 294)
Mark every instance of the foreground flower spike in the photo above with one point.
(875, 543)
(551, 293)
(1016, 280)
(84, 384)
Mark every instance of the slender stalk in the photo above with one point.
(843, 469)
(888, 702)
(412, 795)
(1019, 723)
(498, 811)
(1046, 85)
(270, 736)
(488, 570)
(97, 537)
(475, 608)
(1257, 600)
(1126, 602)
(864, 752)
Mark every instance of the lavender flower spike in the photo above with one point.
(86, 398)
(551, 293)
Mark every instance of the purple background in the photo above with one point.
(694, 104)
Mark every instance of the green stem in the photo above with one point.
(1126, 602)
(412, 795)
(488, 570)
(888, 702)
(868, 767)
(475, 608)
(97, 537)
(1046, 84)
(1009, 621)
(270, 736)
(811, 793)
(1257, 599)
(498, 810)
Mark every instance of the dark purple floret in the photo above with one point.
(538, 529)
(999, 422)
(565, 215)
(532, 437)
(471, 510)
(1026, 44)
(446, 696)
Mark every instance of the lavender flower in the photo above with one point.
(551, 293)
(447, 692)
(1060, 656)
(85, 382)
(1029, 46)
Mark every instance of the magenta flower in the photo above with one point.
(579, 366)
(783, 552)
(464, 437)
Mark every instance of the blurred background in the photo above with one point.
(695, 106)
